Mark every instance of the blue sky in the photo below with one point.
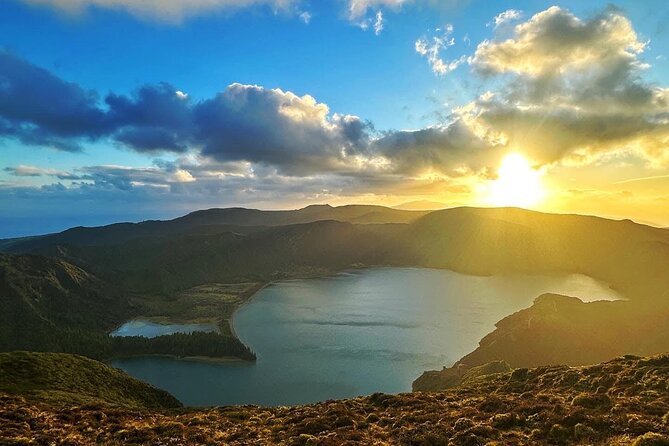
(351, 70)
(378, 77)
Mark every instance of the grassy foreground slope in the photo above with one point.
(62, 379)
(621, 402)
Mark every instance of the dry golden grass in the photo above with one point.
(621, 402)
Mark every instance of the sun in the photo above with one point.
(517, 183)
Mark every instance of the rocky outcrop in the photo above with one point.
(450, 377)
(562, 330)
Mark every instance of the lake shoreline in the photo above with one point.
(201, 359)
(338, 335)
(250, 295)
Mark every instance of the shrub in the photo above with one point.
(503, 420)
(592, 400)
(651, 439)
(584, 432)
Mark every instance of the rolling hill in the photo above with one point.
(48, 304)
(263, 246)
(210, 221)
(62, 379)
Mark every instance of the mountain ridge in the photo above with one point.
(632, 258)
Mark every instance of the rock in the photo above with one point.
(458, 375)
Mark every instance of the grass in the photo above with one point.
(64, 379)
(212, 302)
(539, 406)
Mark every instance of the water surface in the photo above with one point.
(356, 333)
(148, 329)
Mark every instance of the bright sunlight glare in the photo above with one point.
(518, 184)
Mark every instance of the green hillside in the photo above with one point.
(208, 222)
(63, 379)
(48, 304)
(148, 270)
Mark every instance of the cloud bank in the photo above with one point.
(565, 91)
(576, 90)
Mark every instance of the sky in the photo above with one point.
(126, 110)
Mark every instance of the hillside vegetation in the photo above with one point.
(48, 304)
(621, 402)
(211, 221)
(62, 379)
(235, 246)
(562, 330)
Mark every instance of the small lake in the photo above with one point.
(356, 333)
(148, 329)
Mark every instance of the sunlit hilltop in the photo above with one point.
(552, 107)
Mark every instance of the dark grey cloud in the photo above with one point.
(243, 122)
(267, 126)
(155, 118)
(452, 150)
(37, 107)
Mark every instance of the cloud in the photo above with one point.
(378, 23)
(452, 150)
(431, 49)
(243, 122)
(126, 178)
(359, 8)
(155, 118)
(573, 90)
(36, 107)
(505, 17)
(594, 104)
(295, 133)
(164, 10)
(556, 41)
(32, 171)
(305, 16)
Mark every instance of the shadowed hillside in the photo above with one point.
(63, 379)
(562, 330)
(632, 258)
(211, 221)
(45, 301)
(48, 304)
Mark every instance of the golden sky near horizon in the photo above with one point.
(559, 109)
